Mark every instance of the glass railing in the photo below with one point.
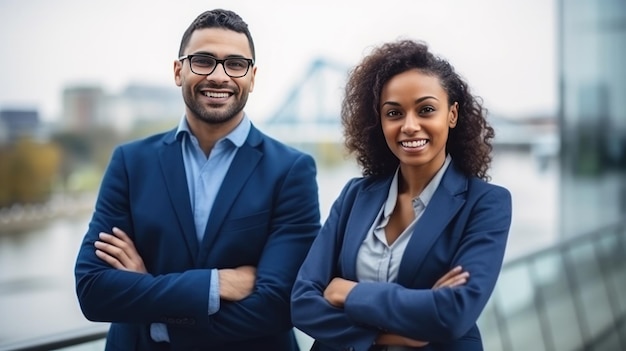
(565, 297)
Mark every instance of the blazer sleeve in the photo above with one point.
(448, 313)
(310, 312)
(107, 294)
(295, 223)
(111, 295)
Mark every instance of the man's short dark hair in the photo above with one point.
(218, 18)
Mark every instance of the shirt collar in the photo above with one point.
(424, 197)
(237, 136)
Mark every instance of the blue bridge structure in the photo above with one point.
(310, 114)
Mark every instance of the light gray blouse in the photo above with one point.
(376, 260)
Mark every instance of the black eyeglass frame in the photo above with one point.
(217, 62)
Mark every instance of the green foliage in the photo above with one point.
(84, 157)
(28, 172)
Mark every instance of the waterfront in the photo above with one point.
(36, 266)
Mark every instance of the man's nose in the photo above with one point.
(219, 73)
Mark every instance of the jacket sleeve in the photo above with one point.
(295, 224)
(447, 313)
(107, 294)
(310, 312)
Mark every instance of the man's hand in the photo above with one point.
(337, 291)
(455, 277)
(237, 283)
(119, 251)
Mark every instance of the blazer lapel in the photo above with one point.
(366, 207)
(444, 204)
(239, 171)
(173, 170)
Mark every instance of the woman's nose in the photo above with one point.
(411, 125)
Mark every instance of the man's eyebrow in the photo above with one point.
(213, 55)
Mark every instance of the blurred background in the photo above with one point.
(80, 77)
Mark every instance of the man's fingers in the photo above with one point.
(247, 272)
(120, 241)
(109, 259)
(112, 248)
(109, 248)
(118, 250)
(123, 236)
(113, 240)
(247, 269)
(236, 283)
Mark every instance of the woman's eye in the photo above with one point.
(428, 109)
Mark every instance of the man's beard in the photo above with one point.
(210, 116)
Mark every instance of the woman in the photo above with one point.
(385, 271)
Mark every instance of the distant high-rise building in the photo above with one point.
(83, 107)
(144, 103)
(16, 123)
(152, 102)
(592, 114)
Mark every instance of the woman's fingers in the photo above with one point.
(455, 277)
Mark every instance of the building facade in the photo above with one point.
(592, 78)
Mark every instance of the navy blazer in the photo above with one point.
(266, 214)
(465, 223)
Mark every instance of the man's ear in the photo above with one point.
(178, 66)
(252, 78)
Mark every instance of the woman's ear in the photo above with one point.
(453, 115)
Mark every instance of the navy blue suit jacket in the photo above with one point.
(465, 223)
(266, 214)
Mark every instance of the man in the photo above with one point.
(198, 233)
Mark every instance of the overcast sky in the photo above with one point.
(505, 49)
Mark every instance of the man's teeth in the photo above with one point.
(413, 143)
(216, 95)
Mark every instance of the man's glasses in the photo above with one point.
(235, 67)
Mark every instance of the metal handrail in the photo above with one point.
(566, 242)
(60, 340)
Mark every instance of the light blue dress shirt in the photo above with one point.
(205, 175)
(377, 261)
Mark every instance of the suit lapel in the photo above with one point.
(366, 207)
(173, 170)
(444, 204)
(239, 171)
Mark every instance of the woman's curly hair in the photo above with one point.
(469, 143)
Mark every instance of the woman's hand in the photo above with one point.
(455, 277)
(119, 251)
(337, 291)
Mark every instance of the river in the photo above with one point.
(37, 295)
